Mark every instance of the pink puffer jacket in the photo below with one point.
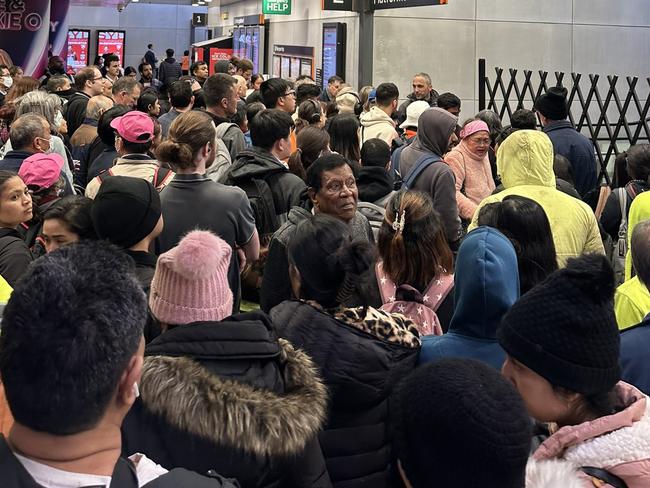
(618, 443)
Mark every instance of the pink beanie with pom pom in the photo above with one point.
(191, 281)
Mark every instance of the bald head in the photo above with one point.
(640, 248)
(97, 105)
(241, 86)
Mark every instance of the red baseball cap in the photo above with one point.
(41, 170)
(134, 126)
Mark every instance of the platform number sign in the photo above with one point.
(277, 7)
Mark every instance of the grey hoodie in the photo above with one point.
(434, 129)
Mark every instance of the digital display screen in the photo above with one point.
(329, 53)
(246, 45)
(111, 42)
(256, 50)
(78, 46)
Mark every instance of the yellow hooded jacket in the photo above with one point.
(632, 299)
(525, 163)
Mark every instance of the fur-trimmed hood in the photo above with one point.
(552, 474)
(261, 421)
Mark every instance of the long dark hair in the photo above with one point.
(525, 223)
(419, 252)
(344, 136)
(332, 266)
(310, 142)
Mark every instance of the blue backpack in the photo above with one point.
(420, 165)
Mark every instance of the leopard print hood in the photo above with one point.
(393, 328)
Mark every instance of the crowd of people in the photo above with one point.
(221, 280)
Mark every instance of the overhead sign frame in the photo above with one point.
(385, 4)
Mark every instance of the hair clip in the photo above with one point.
(398, 224)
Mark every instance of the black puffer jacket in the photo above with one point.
(230, 397)
(362, 355)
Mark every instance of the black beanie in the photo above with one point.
(458, 422)
(125, 210)
(564, 329)
(553, 104)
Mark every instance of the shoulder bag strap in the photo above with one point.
(604, 475)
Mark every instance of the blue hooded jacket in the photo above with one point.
(486, 285)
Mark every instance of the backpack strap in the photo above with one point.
(621, 193)
(160, 181)
(604, 475)
(100, 175)
(438, 290)
(386, 286)
(394, 159)
(420, 165)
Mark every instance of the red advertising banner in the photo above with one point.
(111, 42)
(218, 54)
(78, 46)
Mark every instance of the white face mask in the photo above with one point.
(7, 81)
(58, 118)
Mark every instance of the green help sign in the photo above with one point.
(277, 7)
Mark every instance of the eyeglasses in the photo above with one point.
(292, 92)
(337, 186)
(480, 142)
(98, 78)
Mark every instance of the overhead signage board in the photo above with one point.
(383, 4)
(199, 20)
(257, 19)
(276, 7)
(345, 5)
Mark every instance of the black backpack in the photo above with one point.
(260, 197)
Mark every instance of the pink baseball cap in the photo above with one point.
(41, 170)
(134, 126)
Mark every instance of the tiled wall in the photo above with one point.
(585, 36)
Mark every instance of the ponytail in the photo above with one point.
(295, 164)
(177, 154)
(188, 134)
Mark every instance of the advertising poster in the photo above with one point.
(295, 68)
(111, 42)
(24, 36)
(59, 28)
(286, 67)
(218, 54)
(78, 46)
(277, 60)
(306, 67)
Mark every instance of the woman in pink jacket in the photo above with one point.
(562, 346)
(470, 163)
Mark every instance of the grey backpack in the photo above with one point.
(222, 160)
